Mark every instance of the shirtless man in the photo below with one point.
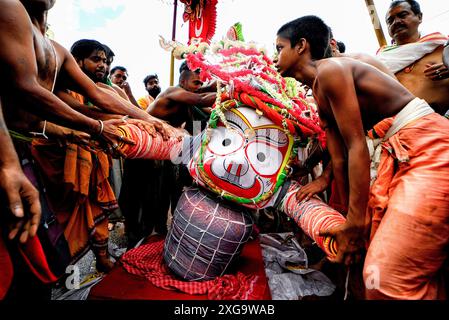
(337, 169)
(174, 105)
(426, 77)
(352, 98)
(31, 64)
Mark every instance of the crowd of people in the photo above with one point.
(62, 177)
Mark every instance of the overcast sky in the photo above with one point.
(132, 27)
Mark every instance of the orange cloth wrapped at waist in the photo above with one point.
(409, 210)
(78, 190)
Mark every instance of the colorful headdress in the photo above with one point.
(247, 78)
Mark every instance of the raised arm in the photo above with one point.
(336, 83)
(201, 100)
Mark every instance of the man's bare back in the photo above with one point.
(378, 96)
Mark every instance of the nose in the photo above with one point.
(235, 169)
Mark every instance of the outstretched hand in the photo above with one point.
(24, 209)
(112, 137)
(309, 190)
(155, 127)
(350, 242)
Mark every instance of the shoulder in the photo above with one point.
(13, 15)
(331, 69)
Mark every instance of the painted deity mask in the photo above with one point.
(246, 161)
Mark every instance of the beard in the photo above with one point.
(154, 91)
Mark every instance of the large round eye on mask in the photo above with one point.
(224, 141)
(264, 159)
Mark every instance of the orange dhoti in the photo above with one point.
(409, 210)
(79, 192)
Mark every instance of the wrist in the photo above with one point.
(96, 127)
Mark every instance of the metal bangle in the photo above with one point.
(101, 127)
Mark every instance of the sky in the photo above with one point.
(131, 28)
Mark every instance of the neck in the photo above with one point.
(307, 73)
(38, 17)
(411, 39)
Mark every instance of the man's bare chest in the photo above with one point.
(46, 60)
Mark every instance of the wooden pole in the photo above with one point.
(172, 58)
(376, 23)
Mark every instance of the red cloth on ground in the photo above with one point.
(147, 261)
(119, 284)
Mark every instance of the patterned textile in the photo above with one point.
(312, 216)
(206, 236)
(147, 261)
(147, 147)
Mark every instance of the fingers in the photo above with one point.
(126, 140)
(327, 233)
(432, 67)
(15, 228)
(34, 205)
(25, 232)
(436, 72)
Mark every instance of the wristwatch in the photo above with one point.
(446, 44)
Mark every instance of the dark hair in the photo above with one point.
(83, 48)
(311, 28)
(183, 67)
(341, 46)
(416, 8)
(109, 54)
(118, 68)
(150, 77)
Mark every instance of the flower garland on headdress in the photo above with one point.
(249, 77)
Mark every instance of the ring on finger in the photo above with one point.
(115, 146)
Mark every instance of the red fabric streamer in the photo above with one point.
(147, 261)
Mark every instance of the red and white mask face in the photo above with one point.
(246, 159)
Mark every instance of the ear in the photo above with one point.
(420, 17)
(301, 46)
